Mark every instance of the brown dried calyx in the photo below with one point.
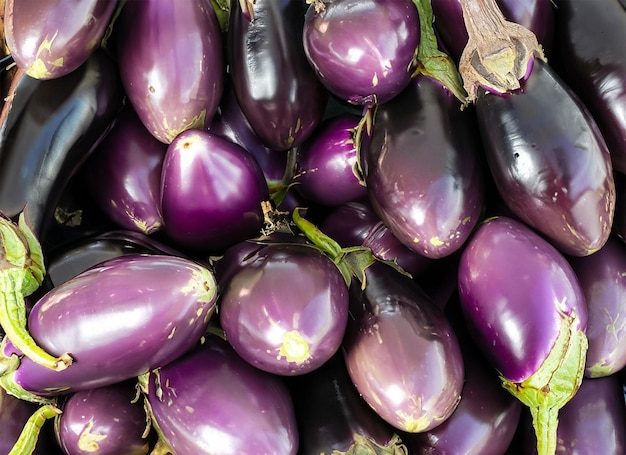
(498, 53)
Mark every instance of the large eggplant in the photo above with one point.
(47, 130)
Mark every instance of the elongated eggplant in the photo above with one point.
(171, 63)
(118, 320)
(50, 39)
(424, 171)
(527, 313)
(277, 89)
(211, 401)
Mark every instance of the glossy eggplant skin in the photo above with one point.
(591, 60)
(118, 319)
(549, 161)
(48, 129)
(171, 63)
(211, 401)
(49, 39)
(401, 352)
(424, 170)
(277, 89)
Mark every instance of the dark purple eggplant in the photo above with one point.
(527, 314)
(103, 421)
(171, 63)
(211, 192)
(118, 320)
(401, 352)
(285, 309)
(211, 401)
(334, 419)
(123, 174)
(423, 169)
(590, 40)
(602, 277)
(277, 89)
(50, 39)
(47, 130)
(362, 50)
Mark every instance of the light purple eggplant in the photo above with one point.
(362, 50)
(277, 89)
(211, 192)
(602, 277)
(211, 401)
(326, 163)
(527, 314)
(117, 320)
(107, 420)
(424, 169)
(123, 174)
(401, 352)
(50, 39)
(285, 309)
(170, 55)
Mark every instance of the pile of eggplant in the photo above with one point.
(313, 227)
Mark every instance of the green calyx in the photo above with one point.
(27, 440)
(366, 446)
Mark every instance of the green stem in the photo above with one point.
(545, 422)
(27, 440)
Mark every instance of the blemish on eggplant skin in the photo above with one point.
(190, 409)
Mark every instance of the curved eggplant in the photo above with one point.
(277, 89)
(50, 39)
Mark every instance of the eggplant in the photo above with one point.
(119, 319)
(424, 170)
(591, 60)
(401, 352)
(212, 192)
(104, 420)
(171, 63)
(362, 50)
(50, 39)
(48, 128)
(285, 309)
(277, 89)
(211, 401)
(527, 313)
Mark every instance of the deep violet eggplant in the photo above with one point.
(123, 174)
(527, 314)
(211, 401)
(424, 170)
(171, 63)
(362, 50)
(590, 41)
(285, 309)
(47, 130)
(333, 418)
(602, 277)
(118, 320)
(51, 39)
(401, 352)
(277, 89)
(232, 188)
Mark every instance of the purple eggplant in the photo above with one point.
(47, 130)
(104, 420)
(527, 313)
(211, 192)
(362, 50)
(211, 401)
(277, 89)
(602, 277)
(123, 174)
(117, 320)
(170, 56)
(401, 352)
(424, 169)
(591, 60)
(50, 39)
(285, 309)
